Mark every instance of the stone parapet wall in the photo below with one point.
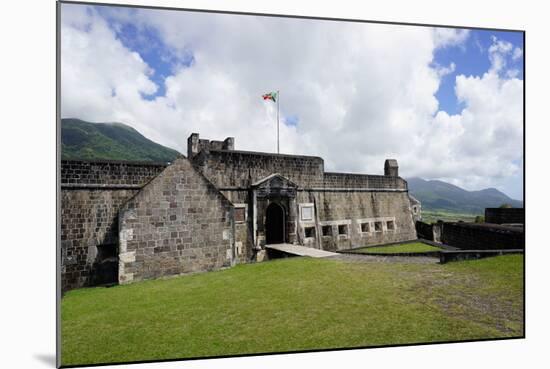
(239, 169)
(505, 215)
(425, 231)
(366, 181)
(473, 236)
(242, 168)
(108, 172)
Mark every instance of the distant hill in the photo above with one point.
(439, 195)
(109, 141)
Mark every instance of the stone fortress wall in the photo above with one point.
(92, 192)
(342, 220)
(127, 221)
(348, 210)
(178, 223)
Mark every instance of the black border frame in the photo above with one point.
(58, 5)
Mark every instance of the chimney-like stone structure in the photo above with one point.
(195, 145)
(192, 145)
(391, 168)
(229, 143)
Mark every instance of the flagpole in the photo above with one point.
(278, 97)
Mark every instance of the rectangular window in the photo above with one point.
(378, 226)
(390, 225)
(365, 227)
(327, 230)
(343, 229)
(309, 232)
(307, 213)
(240, 215)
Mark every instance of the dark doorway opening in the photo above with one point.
(274, 224)
(105, 267)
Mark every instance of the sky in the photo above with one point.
(447, 103)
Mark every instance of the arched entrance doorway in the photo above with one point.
(274, 224)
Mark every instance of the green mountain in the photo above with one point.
(110, 141)
(438, 195)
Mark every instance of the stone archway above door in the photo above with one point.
(273, 189)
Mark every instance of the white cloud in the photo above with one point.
(100, 78)
(501, 53)
(518, 53)
(485, 141)
(450, 36)
(362, 92)
(443, 71)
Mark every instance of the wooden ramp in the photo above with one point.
(300, 250)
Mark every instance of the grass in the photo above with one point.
(293, 304)
(432, 216)
(396, 249)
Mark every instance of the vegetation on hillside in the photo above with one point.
(429, 216)
(109, 141)
(439, 196)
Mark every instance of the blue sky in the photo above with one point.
(169, 73)
(148, 43)
(471, 59)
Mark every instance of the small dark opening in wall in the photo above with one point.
(343, 229)
(390, 225)
(378, 226)
(240, 215)
(310, 232)
(327, 230)
(365, 227)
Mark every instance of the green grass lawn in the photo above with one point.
(396, 249)
(293, 304)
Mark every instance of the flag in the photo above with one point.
(270, 96)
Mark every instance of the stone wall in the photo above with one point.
(92, 193)
(425, 231)
(226, 169)
(505, 215)
(366, 181)
(242, 168)
(89, 236)
(243, 226)
(178, 223)
(480, 236)
(343, 220)
(108, 172)
(356, 202)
